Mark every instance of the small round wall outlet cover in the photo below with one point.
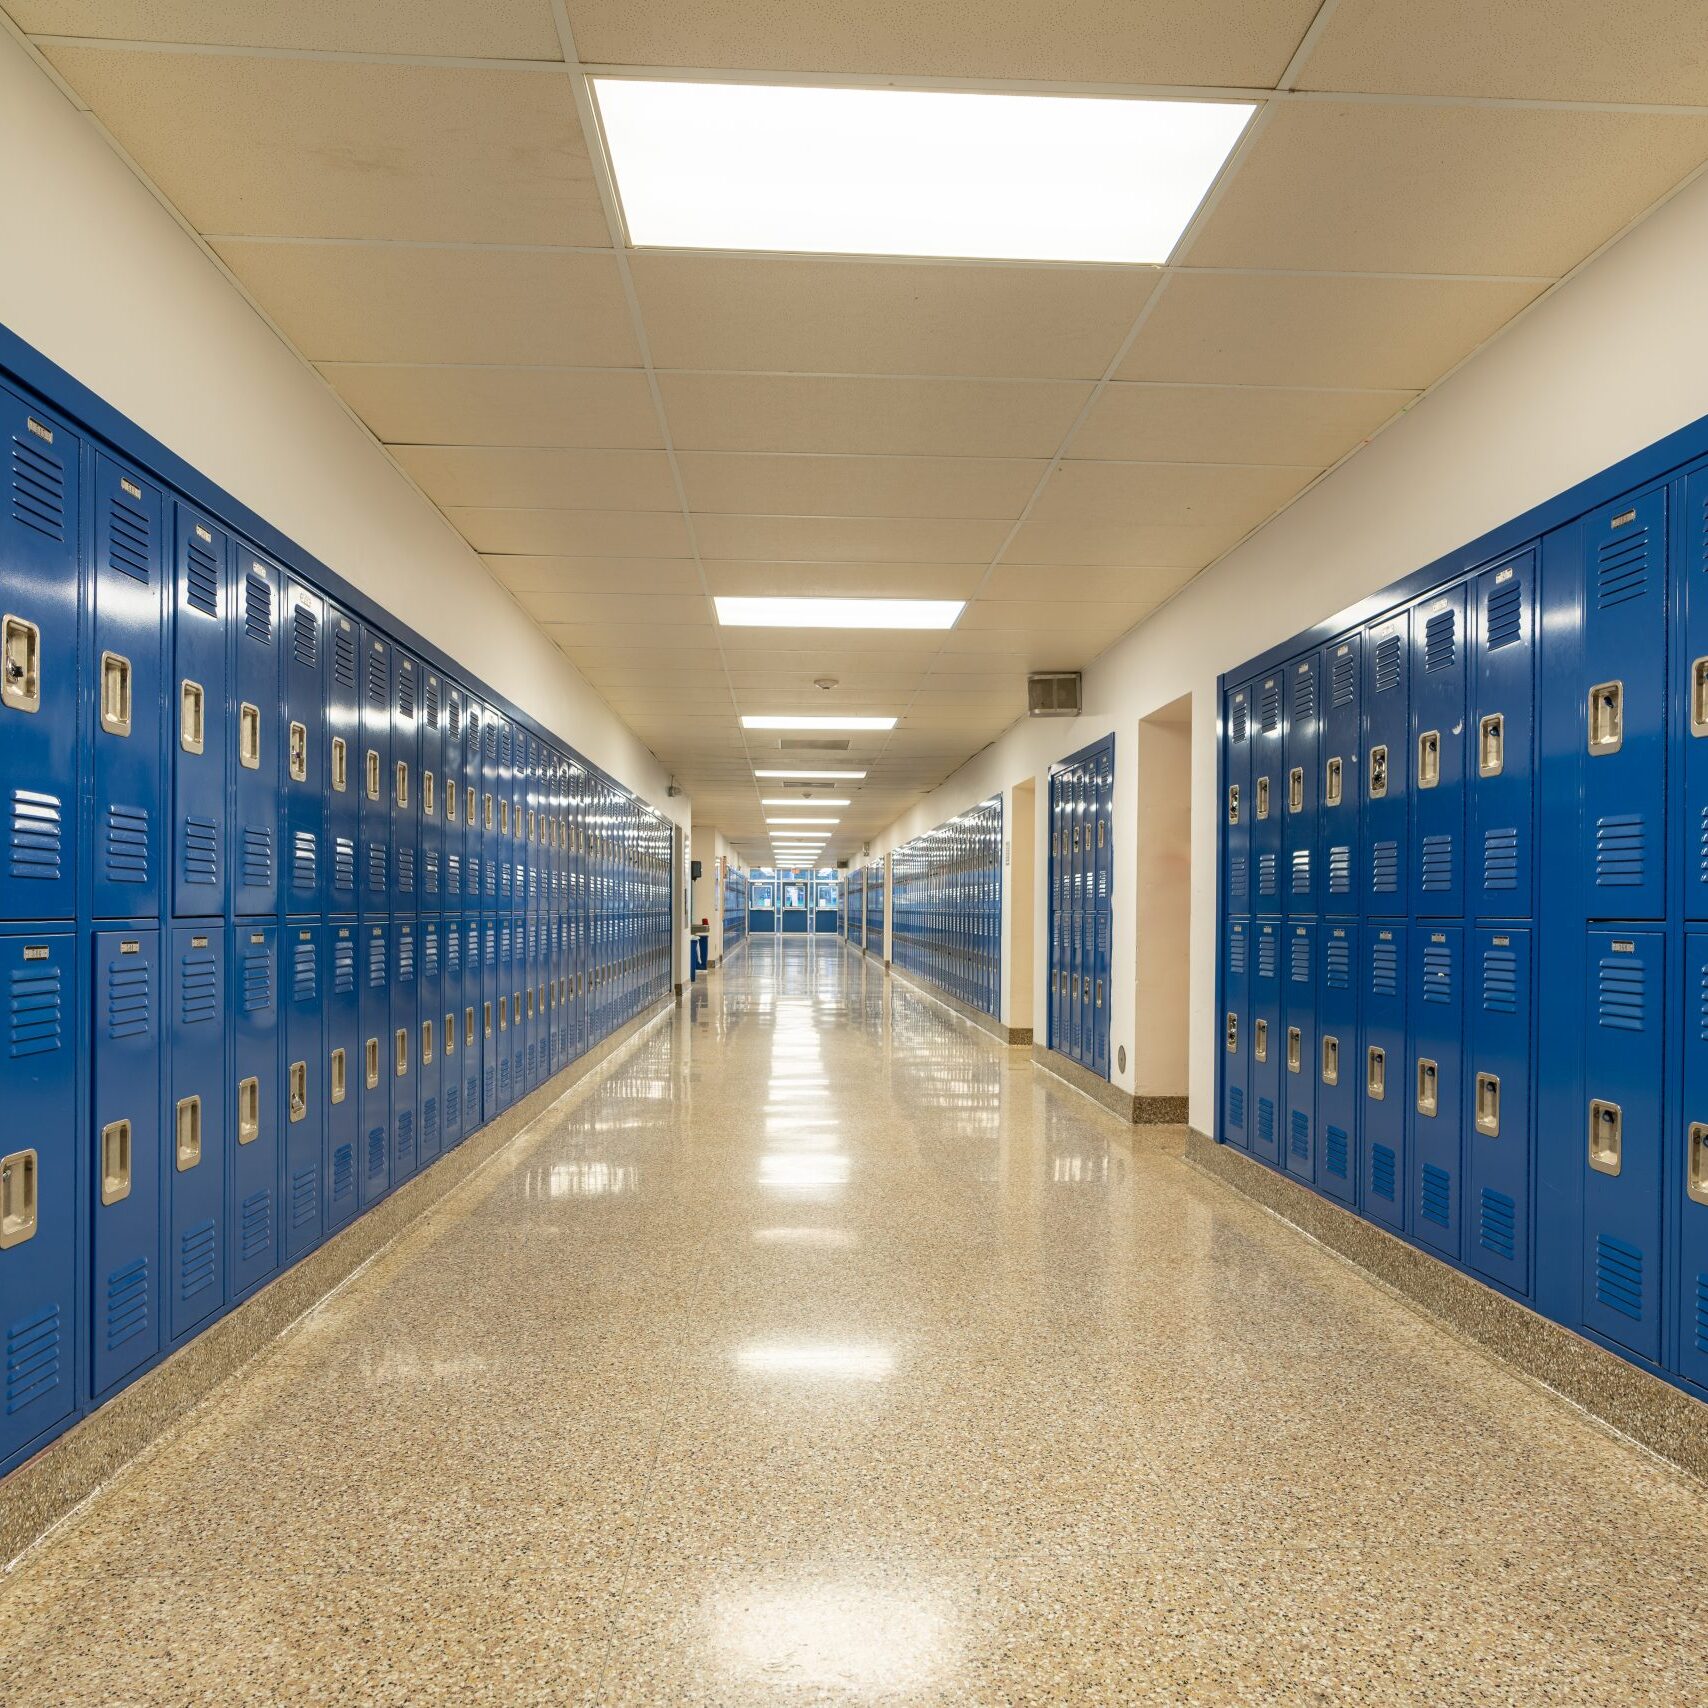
(1121, 1058)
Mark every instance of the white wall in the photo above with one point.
(1613, 360)
(1161, 1050)
(100, 278)
(710, 845)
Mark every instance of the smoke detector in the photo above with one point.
(825, 682)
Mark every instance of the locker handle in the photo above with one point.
(1699, 697)
(1263, 797)
(192, 717)
(1333, 783)
(115, 694)
(468, 1028)
(450, 803)
(400, 1041)
(1296, 789)
(400, 782)
(426, 1042)
(1429, 759)
(429, 794)
(1491, 745)
(1606, 718)
(450, 1034)
(468, 803)
(488, 1017)
(1331, 1061)
(1233, 805)
(18, 1198)
(373, 774)
(372, 1063)
(340, 765)
(1099, 993)
(187, 1133)
(1260, 1041)
(299, 1091)
(248, 1111)
(115, 1162)
(1295, 1049)
(488, 799)
(504, 818)
(299, 753)
(249, 736)
(1696, 1174)
(337, 1077)
(1101, 827)
(1606, 1136)
(1488, 1105)
(1378, 773)
(1232, 1034)
(1376, 1073)
(21, 677)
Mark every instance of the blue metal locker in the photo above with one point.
(124, 1117)
(127, 673)
(1301, 728)
(530, 930)
(1438, 666)
(474, 1029)
(1691, 1173)
(1266, 1043)
(1438, 1086)
(1502, 736)
(255, 739)
(1384, 1075)
(1387, 767)
(474, 799)
(1624, 689)
(1268, 792)
(431, 824)
(306, 780)
(1299, 1057)
(515, 981)
(1624, 1062)
(1497, 1134)
(503, 785)
(38, 1185)
(342, 763)
(494, 1026)
(429, 1040)
(1337, 1061)
(196, 1214)
(374, 867)
(1342, 742)
(1694, 592)
(451, 791)
(403, 786)
(401, 1049)
(342, 1022)
(253, 1171)
(202, 717)
(374, 970)
(451, 1041)
(305, 1100)
(1236, 1031)
(1104, 771)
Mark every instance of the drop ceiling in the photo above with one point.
(409, 194)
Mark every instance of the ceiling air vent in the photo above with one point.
(1052, 694)
(805, 744)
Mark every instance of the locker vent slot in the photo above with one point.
(38, 489)
(128, 1002)
(406, 694)
(305, 637)
(1266, 1120)
(1500, 981)
(1302, 872)
(201, 851)
(1269, 707)
(305, 860)
(1619, 991)
(429, 1119)
(1619, 1276)
(1435, 1201)
(453, 1105)
(305, 1196)
(257, 983)
(1384, 969)
(1622, 568)
(129, 540)
(405, 958)
(1239, 721)
(32, 1358)
(377, 692)
(1266, 874)
(1702, 1003)
(258, 608)
(1237, 956)
(1440, 642)
(376, 869)
(1266, 957)
(1301, 1135)
(376, 963)
(257, 857)
(1336, 1152)
(406, 870)
(1301, 960)
(201, 579)
(257, 1223)
(1342, 680)
(1304, 695)
(405, 1139)
(1500, 859)
(1387, 664)
(430, 954)
(127, 1303)
(1619, 851)
(343, 966)
(1384, 868)
(344, 657)
(1337, 961)
(343, 1172)
(454, 718)
(38, 836)
(127, 845)
(1503, 623)
(1497, 1224)
(36, 1011)
(304, 977)
(1236, 1106)
(198, 990)
(430, 711)
(197, 1251)
(1437, 863)
(376, 1151)
(1340, 870)
(1382, 1171)
(343, 863)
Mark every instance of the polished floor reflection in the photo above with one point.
(824, 1352)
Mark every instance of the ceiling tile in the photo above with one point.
(838, 539)
(663, 637)
(282, 147)
(667, 610)
(573, 533)
(523, 478)
(1373, 187)
(1082, 619)
(1146, 586)
(810, 316)
(1245, 329)
(595, 574)
(744, 484)
(1126, 545)
(356, 302)
(867, 580)
(1023, 651)
(1167, 494)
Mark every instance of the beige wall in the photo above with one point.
(1019, 903)
(1163, 915)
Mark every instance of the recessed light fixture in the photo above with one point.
(808, 801)
(803, 821)
(807, 613)
(823, 170)
(819, 776)
(792, 722)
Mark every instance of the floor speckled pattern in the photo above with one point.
(825, 1353)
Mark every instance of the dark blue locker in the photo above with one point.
(374, 863)
(451, 789)
(256, 737)
(1268, 794)
(1236, 1031)
(252, 1207)
(1337, 1061)
(1104, 855)
(1497, 1134)
(38, 1185)
(306, 780)
(431, 824)
(403, 785)
(1266, 1043)
(124, 1114)
(527, 822)
(405, 1083)
(1300, 745)
(1502, 736)
(1387, 768)
(502, 781)
(1624, 1061)
(475, 797)
(1624, 689)
(1342, 740)
(307, 979)
(196, 1216)
(1694, 592)
(1692, 1295)
(1438, 1086)
(516, 977)
(38, 664)
(531, 1017)
(374, 971)
(475, 1031)
(451, 1044)
(429, 1040)
(202, 717)
(1438, 667)
(495, 1025)
(1384, 1073)
(343, 1079)
(128, 685)
(1299, 1057)
(342, 765)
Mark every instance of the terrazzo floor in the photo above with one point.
(824, 1352)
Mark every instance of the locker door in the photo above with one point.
(1105, 858)
(252, 1208)
(504, 787)
(429, 1042)
(374, 866)
(451, 1035)
(1300, 748)
(473, 1043)
(1695, 805)
(1387, 767)
(1236, 1031)
(1438, 756)
(431, 792)
(1267, 1045)
(305, 1086)
(1337, 1061)
(1299, 1050)
(38, 1185)
(128, 684)
(1692, 1175)
(201, 717)
(1623, 1057)
(403, 786)
(1501, 737)
(375, 1068)
(532, 1018)
(306, 781)
(1057, 919)
(1268, 795)
(1236, 800)
(1338, 775)
(517, 986)
(497, 998)
(1383, 1073)
(474, 795)
(256, 737)
(342, 766)
(451, 799)
(401, 1054)
(1497, 1131)
(1437, 1086)
(1624, 692)
(342, 1076)
(124, 1199)
(197, 1142)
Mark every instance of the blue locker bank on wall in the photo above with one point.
(271, 874)
(1464, 874)
(946, 899)
(1082, 895)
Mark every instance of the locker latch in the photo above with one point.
(1428, 1086)
(340, 765)
(1488, 1105)
(1429, 759)
(1699, 697)
(373, 774)
(1263, 797)
(1233, 1034)
(1376, 1073)
(1296, 789)
(249, 736)
(337, 1078)
(371, 1053)
(468, 1028)
(400, 1041)
(450, 803)
(21, 674)
(1333, 783)
(1331, 1061)
(468, 804)
(248, 1111)
(299, 753)
(299, 1091)
(1260, 1041)
(187, 1133)
(1606, 1136)
(450, 1034)
(115, 694)
(1606, 717)
(1491, 745)
(1696, 1168)
(1099, 1002)
(192, 719)
(1295, 1049)
(429, 792)
(17, 1198)
(1378, 773)
(400, 782)
(426, 1042)
(1233, 808)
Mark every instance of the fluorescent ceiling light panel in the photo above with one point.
(792, 722)
(790, 801)
(821, 776)
(802, 821)
(822, 170)
(806, 613)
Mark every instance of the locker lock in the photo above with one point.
(1696, 1167)
(1260, 1040)
(1331, 1061)
(1263, 797)
(1376, 1073)
(1429, 759)
(20, 674)
(1428, 1086)
(1233, 807)
(1333, 783)
(1295, 1049)
(1296, 789)
(187, 1133)
(1491, 745)
(1606, 718)
(1606, 1136)
(1488, 1105)
(1233, 1034)
(1378, 773)
(299, 753)
(299, 1092)
(18, 1198)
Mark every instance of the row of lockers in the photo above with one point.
(854, 921)
(874, 876)
(734, 902)
(1082, 871)
(946, 897)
